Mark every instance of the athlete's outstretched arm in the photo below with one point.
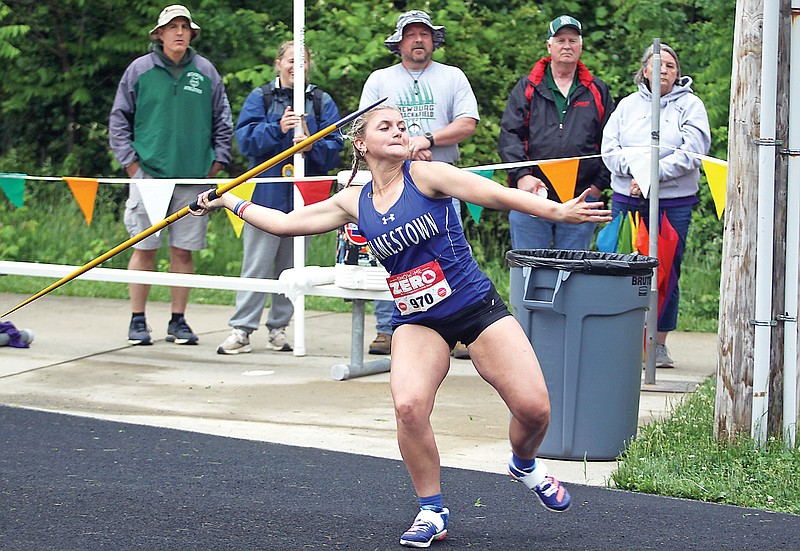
(309, 220)
(441, 179)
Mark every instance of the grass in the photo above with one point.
(679, 457)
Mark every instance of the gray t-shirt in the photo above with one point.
(441, 95)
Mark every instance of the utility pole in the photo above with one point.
(750, 360)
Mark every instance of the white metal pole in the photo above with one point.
(763, 321)
(790, 414)
(299, 102)
(655, 141)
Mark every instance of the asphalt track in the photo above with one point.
(73, 482)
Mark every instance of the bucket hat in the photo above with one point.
(168, 14)
(407, 18)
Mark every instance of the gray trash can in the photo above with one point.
(584, 313)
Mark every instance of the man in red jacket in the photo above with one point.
(558, 110)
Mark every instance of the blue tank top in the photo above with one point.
(421, 243)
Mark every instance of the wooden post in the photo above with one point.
(733, 408)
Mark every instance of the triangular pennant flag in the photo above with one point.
(668, 249)
(484, 173)
(475, 211)
(642, 237)
(638, 159)
(314, 191)
(717, 176)
(625, 242)
(242, 191)
(85, 192)
(14, 187)
(607, 237)
(562, 176)
(236, 222)
(156, 195)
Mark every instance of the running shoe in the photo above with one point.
(663, 359)
(139, 332)
(278, 341)
(238, 342)
(460, 351)
(551, 492)
(428, 526)
(179, 332)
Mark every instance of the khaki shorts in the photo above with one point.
(187, 233)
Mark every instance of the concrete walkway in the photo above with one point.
(80, 364)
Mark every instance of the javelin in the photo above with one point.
(185, 210)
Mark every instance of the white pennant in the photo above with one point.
(156, 195)
(638, 159)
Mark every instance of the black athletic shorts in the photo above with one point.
(466, 324)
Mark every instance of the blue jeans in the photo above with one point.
(680, 218)
(533, 232)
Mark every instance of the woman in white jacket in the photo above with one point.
(684, 129)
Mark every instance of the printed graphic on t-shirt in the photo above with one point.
(418, 107)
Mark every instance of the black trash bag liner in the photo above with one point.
(584, 262)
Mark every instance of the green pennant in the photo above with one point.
(474, 211)
(14, 187)
(484, 173)
(625, 242)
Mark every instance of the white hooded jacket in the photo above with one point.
(684, 127)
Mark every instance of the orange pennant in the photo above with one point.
(85, 191)
(562, 176)
(314, 191)
(642, 237)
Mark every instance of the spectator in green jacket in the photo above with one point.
(170, 83)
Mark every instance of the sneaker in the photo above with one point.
(551, 492)
(663, 359)
(460, 351)
(428, 526)
(382, 345)
(138, 331)
(179, 332)
(277, 340)
(238, 342)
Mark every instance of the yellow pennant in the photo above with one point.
(717, 176)
(243, 191)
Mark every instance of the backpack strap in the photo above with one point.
(315, 95)
(268, 92)
(316, 102)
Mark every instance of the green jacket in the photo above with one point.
(174, 119)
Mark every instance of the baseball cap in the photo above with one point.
(407, 18)
(171, 12)
(563, 21)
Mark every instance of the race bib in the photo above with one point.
(419, 289)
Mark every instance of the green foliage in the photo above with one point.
(679, 457)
